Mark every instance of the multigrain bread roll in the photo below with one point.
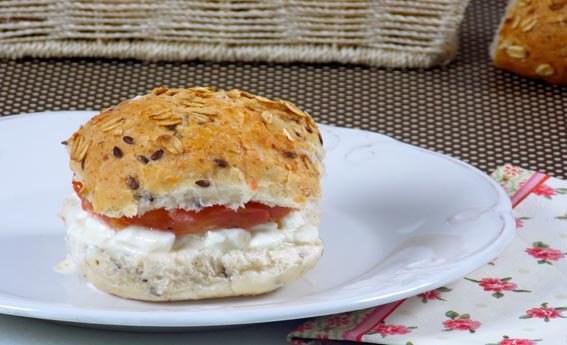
(195, 193)
(531, 40)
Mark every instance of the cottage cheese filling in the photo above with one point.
(139, 240)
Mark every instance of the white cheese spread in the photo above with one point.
(135, 239)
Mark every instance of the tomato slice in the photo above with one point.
(183, 222)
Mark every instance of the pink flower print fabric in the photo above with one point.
(519, 298)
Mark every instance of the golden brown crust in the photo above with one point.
(196, 140)
(531, 40)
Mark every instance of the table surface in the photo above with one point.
(467, 109)
(21, 331)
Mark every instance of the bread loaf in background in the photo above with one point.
(532, 40)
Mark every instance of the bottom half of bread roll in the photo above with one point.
(154, 265)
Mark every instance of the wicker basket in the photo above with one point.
(393, 33)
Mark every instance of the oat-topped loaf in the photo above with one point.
(531, 40)
(195, 193)
(193, 148)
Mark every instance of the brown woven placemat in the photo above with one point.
(467, 109)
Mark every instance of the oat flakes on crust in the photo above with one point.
(192, 148)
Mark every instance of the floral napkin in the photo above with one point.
(520, 298)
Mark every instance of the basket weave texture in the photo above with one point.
(391, 33)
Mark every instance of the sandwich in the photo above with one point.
(186, 194)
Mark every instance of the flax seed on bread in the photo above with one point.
(197, 147)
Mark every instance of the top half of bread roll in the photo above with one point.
(194, 148)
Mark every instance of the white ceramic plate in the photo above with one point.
(397, 221)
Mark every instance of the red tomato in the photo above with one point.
(182, 222)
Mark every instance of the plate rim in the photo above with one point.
(175, 319)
